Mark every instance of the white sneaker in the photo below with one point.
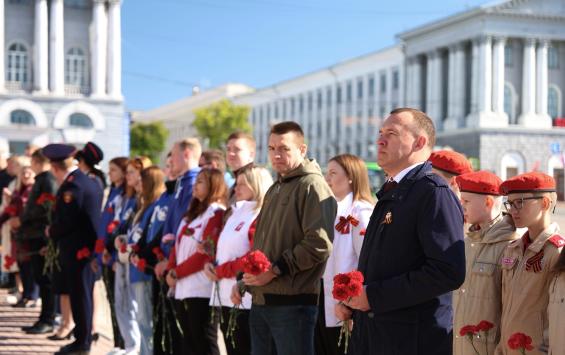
(116, 351)
(131, 351)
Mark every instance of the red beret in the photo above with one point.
(451, 162)
(479, 182)
(528, 182)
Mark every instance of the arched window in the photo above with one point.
(511, 164)
(17, 64)
(21, 117)
(510, 103)
(75, 67)
(80, 120)
(553, 102)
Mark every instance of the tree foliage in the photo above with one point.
(218, 120)
(148, 139)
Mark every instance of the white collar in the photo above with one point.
(244, 205)
(343, 205)
(398, 177)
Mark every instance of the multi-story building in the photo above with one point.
(60, 74)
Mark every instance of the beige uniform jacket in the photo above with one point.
(556, 315)
(526, 277)
(480, 296)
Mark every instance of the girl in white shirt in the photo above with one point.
(235, 241)
(348, 178)
(198, 231)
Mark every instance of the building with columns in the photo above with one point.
(60, 74)
(492, 78)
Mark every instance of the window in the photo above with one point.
(338, 95)
(349, 92)
(276, 111)
(80, 120)
(21, 117)
(319, 99)
(17, 64)
(309, 102)
(284, 108)
(371, 86)
(75, 67)
(508, 54)
(395, 80)
(553, 102)
(292, 110)
(329, 97)
(81, 4)
(553, 58)
(383, 83)
(359, 89)
(301, 105)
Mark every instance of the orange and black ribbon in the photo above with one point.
(344, 222)
(534, 263)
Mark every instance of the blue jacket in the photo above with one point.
(412, 257)
(181, 200)
(137, 233)
(107, 216)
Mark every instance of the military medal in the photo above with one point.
(388, 218)
(67, 196)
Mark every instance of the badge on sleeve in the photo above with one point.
(67, 197)
(508, 261)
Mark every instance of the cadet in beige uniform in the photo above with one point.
(527, 264)
(480, 296)
(556, 308)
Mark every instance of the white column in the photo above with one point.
(3, 46)
(114, 49)
(432, 103)
(528, 116)
(401, 85)
(498, 76)
(41, 39)
(364, 124)
(417, 83)
(456, 87)
(475, 76)
(99, 49)
(409, 87)
(57, 48)
(323, 117)
(542, 84)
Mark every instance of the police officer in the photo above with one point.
(73, 229)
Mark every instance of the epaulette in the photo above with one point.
(557, 240)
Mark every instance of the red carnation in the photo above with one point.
(484, 326)
(141, 264)
(520, 341)
(135, 248)
(12, 211)
(362, 232)
(8, 261)
(355, 288)
(356, 276)
(100, 246)
(123, 248)
(341, 279)
(256, 263)
(340, 292)
(347, 285)
(83, 253)
(468, 330)
(112, 226)
(158, 253)
(45, 197)
(187, 231)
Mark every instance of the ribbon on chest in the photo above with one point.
(343, 226)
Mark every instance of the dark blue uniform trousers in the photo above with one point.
(80, 292)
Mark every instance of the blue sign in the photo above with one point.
(555, 148)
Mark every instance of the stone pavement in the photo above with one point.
(14, 341)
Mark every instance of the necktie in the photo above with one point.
(389, 185)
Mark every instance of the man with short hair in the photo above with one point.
(73, 230)
(294, 230)
(214, 159)
(413, 254)
(240, 151)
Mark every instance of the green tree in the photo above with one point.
(148, 139)
(218, 120)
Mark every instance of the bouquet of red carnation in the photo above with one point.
(158, 253)
(100, 246)
(141, 264)
(346, 286)
(470, 331)
(8, 262)
(83, 253)
(520, 341)
(111, 227)
(51, 264)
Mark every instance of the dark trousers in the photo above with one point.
(241, 338)
(108, 276)
(80, 292)
(166, 334)
(31, 291)
(46, 294)
(288, 330)
(326, 338)
(199, 335)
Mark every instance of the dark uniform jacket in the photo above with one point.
(34, 217)
(76, 216)
(413, 255)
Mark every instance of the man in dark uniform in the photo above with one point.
(73, 229)
(413, 254)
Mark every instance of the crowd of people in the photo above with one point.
(454, 261)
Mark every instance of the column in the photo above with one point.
(323, 117)
(528, 116)
(432, 103)
(2, 45)
(485, 75)
(408, 88)
(57, 48)
(456, 87)
(417, 83)
(542, 75)
(388, 106)
(364, 124)
(475, 76)
(41, 47)
(498, 76)
(401, 85)
(99, 49)
(114, 49)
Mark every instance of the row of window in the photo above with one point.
(18, 69)
(76, 120)
(81, 4)
(552, 56)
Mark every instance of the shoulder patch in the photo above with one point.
(557, 240)
(67, 196)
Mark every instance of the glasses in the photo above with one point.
(518, 204)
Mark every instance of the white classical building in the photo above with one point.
(60, 74)
(492, 78)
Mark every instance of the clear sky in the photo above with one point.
(170, 45)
